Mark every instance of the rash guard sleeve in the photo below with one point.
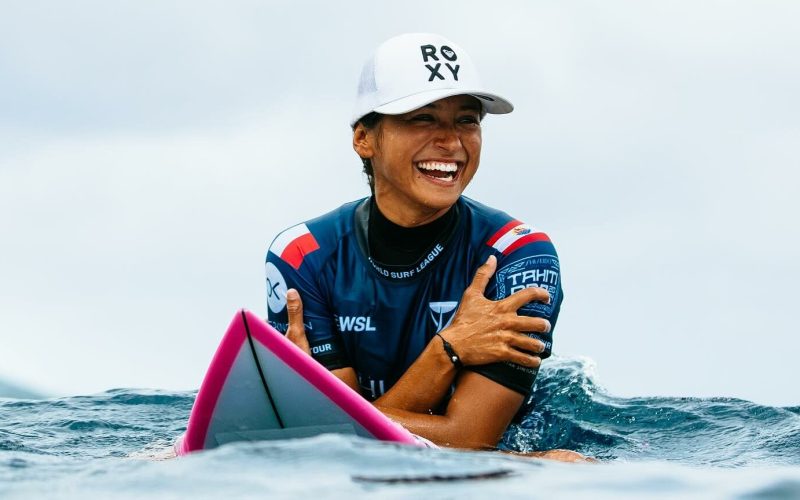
(532, 263)
(291, 262)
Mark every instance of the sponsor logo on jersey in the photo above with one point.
(284, 327)
(514, 235)
(322, 349)
(276, 289)
(442, 313)
(281, 327)
(533, 271)
(355, 324)
(294, 244)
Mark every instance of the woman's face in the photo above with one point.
(423, 160)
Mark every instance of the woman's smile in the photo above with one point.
(440, 172)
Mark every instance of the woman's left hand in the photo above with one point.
(488, 331)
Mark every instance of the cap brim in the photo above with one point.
(492, 103)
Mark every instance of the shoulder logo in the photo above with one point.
(294, 244)
(442, 313)
(276, 289)
(514, 235)
(542, 271)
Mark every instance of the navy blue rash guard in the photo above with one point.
(376, 318)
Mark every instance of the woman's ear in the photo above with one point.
(363, 141)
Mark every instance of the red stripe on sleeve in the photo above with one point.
(503, 230)
(528, 238)
(295, 252)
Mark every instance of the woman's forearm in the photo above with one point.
(476, 417)
(436, 428)
(423, 386)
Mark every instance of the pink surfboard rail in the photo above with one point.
(284, 351)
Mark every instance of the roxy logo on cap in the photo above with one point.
(434, 64)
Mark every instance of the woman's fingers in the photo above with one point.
(484, 274)
(294, 306)
(505, 345)
(522, 358)
(525, 296)
(522, 342)
(296, 332)
(528, 324)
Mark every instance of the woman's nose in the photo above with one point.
(447, 138)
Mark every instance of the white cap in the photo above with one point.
(412, 70)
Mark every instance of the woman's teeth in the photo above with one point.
(438, 170)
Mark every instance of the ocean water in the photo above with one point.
(118, 444)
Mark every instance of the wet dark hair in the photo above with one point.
(369, 121)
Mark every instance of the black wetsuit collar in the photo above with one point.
(394, 245)
(400, 253)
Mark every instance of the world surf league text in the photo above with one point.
(438, 249)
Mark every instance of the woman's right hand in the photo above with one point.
(487, 331)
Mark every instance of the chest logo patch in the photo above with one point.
(355, 324)
(442, 313)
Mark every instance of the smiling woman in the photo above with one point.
(422, 160)
(435, 307)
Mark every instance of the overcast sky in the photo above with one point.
(150, 151)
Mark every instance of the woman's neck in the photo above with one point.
(407, 217)
(393, 244)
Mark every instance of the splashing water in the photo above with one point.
(115, 444)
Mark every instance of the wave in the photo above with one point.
(96, 426)
(569, 409)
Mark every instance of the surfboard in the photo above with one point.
(260, 386)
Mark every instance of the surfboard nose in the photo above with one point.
(260, 386)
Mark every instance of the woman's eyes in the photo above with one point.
(469, 119)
